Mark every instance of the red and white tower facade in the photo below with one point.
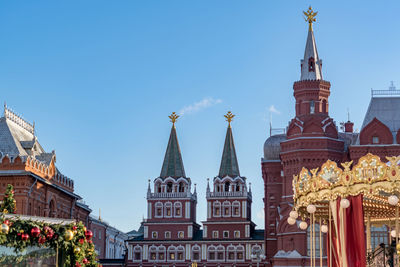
(171, 207)
(229, 202)
(311, 139)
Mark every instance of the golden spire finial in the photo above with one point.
(173, 118)
(310, 17)
(229, 117)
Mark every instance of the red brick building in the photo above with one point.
(171, 236)
(312, 137)
(40, 188)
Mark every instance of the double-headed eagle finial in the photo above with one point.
(229, 117)
(173, 118)
(310, 17)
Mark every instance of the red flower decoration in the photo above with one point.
(78, 264)
(6, 222)
(35, 232)
(81, 241)
(24, 237)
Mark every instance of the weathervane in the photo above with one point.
(310, 17)
(229, 117)
(173, 118)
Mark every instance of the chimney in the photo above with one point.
(348, 127)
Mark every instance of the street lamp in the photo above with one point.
(257, 254)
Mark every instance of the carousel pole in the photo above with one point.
(320, 243)
(397, 225)
(311, 241)
(314, 247)
(369, 249)
(330, 235)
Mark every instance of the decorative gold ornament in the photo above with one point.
(310, 17)
(174, 117)
(5, 228)
(68, 235)
(77, 250)
(229, 117)
(378, 182)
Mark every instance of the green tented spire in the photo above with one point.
(229, 162)
(173, 164)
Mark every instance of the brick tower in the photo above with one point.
(171, 207)
(229, 203)
(311, 139)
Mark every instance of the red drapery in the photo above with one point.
(351, 236)
(355, 233)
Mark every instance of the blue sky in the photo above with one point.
(99, 78)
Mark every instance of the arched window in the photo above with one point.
(177, 209)
(227, 185)
(217, 187)
(169, 187)
(161, 253)
(168, 210)
(311, 64)
(196, 253)
(230, 253)
(53, 211)
(212, 253)
(181, 187)
(226, 207)
(240, 253)
(220, 253)
(312, 107)
(157, 187)
(153, 253)
(180, 253)
(236, 208)
(171, 253)
(217, 209)
(256, 249)
(137, 253)
(159, 210)
(237, 187)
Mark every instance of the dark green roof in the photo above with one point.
(229, 163)
(173, 164)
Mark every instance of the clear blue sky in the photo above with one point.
(99, 78)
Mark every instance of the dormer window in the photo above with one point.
(375, 140)
(311, 64)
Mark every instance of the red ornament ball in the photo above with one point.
(6, 222)
(88, 234)
(42, 240)
(85, 261)
(74, 227)
(81, 241)
(24, 237)
(35, 232)
(78, 264)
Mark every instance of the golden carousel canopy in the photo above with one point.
(377, 181)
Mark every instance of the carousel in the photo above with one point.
(342, 205)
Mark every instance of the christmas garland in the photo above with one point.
(72, 242)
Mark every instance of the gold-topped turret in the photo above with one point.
(229, 117)
(174, 117)
(310, 17)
